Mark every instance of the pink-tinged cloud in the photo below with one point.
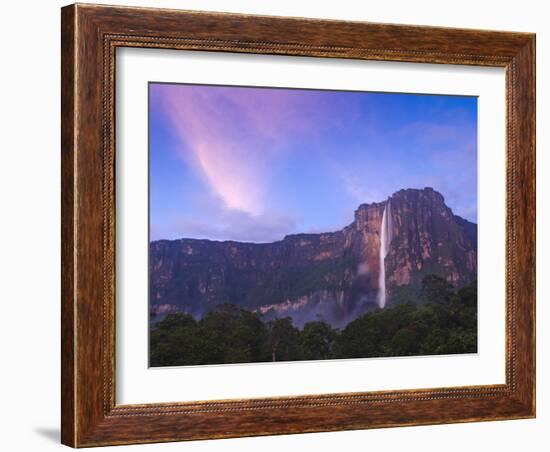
(234, 136)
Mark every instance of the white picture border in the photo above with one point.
(136, 383)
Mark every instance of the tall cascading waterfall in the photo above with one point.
(385, 240)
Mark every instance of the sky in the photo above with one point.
(255, 164)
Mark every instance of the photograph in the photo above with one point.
(290, 224)
(296, 222)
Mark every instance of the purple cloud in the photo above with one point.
(235, 135)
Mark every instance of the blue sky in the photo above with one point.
(255, 164)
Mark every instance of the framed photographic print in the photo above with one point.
(281, 225)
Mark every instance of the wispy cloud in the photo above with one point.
(212, 220)
(440, 153)
(240, 226)
(233, 136)
(359, 188)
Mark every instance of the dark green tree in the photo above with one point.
(232, 335)
(435, 289)
(317, 340)
(283, 340)
(174, 342)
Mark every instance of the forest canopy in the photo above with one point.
(441, 321)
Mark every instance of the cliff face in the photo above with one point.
(428, 239)
(333, 276)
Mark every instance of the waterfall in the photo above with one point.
(385, 239)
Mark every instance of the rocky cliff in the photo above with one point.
(334, 276)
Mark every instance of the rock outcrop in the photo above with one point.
(332, 276)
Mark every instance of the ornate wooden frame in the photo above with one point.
(90, 35)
